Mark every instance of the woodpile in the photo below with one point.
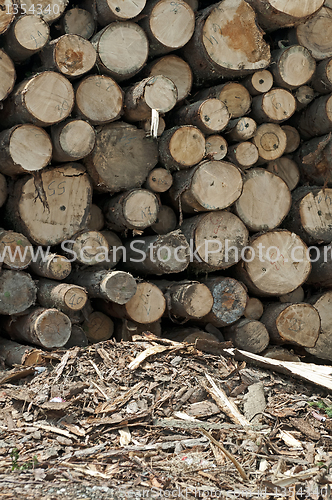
(164, 164)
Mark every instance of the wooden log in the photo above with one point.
(321, 272)
(166, 220)
(193, 4)
(186, 299)
(122, 50)
(229, 45)
(168, 26)
(322, 303)
(292, 66)
(259, 82)
(7, 73)
(156, 92)
(12, 353)
(314, 34)
(234, 95)
(322, 79)
(248, 334)
(292, 137)
(280, 353)
(159, 180)
(275, 263)
(43, 99)
(52, 266)
(216, 240)
(215, 147)
(26, 36)
(47, 328)
(115, 250)
(48, 10)
(111, 10)
(294, 297)
(241, 129)
(270, 140)
(190, 335)
(95, 221)
(15, 250)
(254, 309)
(275, 106)
(260, 190)
(135, 209)
(65, 297)
(244, 154)
(87, 247)
(59, 199)
(24, 149)
(98, 327)
(146, 126)
(285, 168)
(316, 119)
(77, 338)
(211, 185)
(3, 190)
(181, 147)
(122, 158)
(78, 21)
(174, 68)
(147, 306)
(229, 300)
(209, 115)
(125, 329)
(304, 96)
(117, 286)
(72, 140)
(98, 99)
(6, 15)
(313, 158)
(275, 14)
(310, 214)
(17, 292)
(160, 254)
(297, 324)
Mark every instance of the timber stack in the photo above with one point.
(166, 167)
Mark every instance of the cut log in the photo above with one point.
(310, 215)
(280, 353)
(254, 309)
(229, 45)
(248, 334)
(190, 335)
(77, 338)
(159, 180)
(259, 82)
(122, 158)
(193, 4)
(275, 106)
(181, 147)
(241, 129)
(174, 68)
(17, 292)
(3, 190)
(209, 115)
(168, 25)
(270, 140)
(78, 21)
(47, 328)
(275, 14)
(125, 329)
(211, 185)
(72, 140)
(292, 66)
(98, 327)
(136, 209)
(297, 324)
(15, 250)
(122, 50)
(12, 353)
(98, 99)
(166, 220)
(6, 15)
(217, 240)
(321, 273)
(262, 189)
(112, 10)
(286, 169)
(229, 301)
(161, 254)
(95, 221)
(24, 149)
(234, 95)
(65, 297)
(43, 99)
(315, 33)
(215, 147)
(293, 138)
(294, 297)
(117, 286)
(314, 159)
(322, 303)
(186, 299)
(59, 199)
(115, 250)
(244, 154)
(7, 73)
(87, 247)
(146, 126)
(52, 266)
(304, 96)
(316, 119)
(26, 36)
(155, 92)
(49, 10)
(275, 263)
(322, 80)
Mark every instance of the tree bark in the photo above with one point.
(3, 190)
(321, 272)
(294, 297)
(244, 154)
(314, 159)
(77, 338)
(285, 168)
(24, 149)
(234, 95)
(292, 137)
(270, 140)
(159, 180)
(215, 147)
(166, 221)
(109, 10)
(78, 21)
(241, 129)
(7, 73)
(125, 329)
(254, 309)
(27, 36)
(304, 96)
(12, 353)
(17, 292)
(322, 80)
(52, 266)
(181, 147)
(174, 68)
(322, 303)
(190, 335)
(95, 221)
(65, 297)
(209, 115)
(72, 140)
(98, 327)
(292, 66)
(259, 82)
(249, 335)
(316, 119)
(15, 250)
(275, 106)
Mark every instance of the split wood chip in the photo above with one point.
(108, 407)
(55, 430)
(150, 351)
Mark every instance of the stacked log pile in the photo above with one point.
(166, 163)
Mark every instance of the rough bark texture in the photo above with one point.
(166, 220)
(314, 159)
(322, 303)
(316, 119)
(248, 334)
